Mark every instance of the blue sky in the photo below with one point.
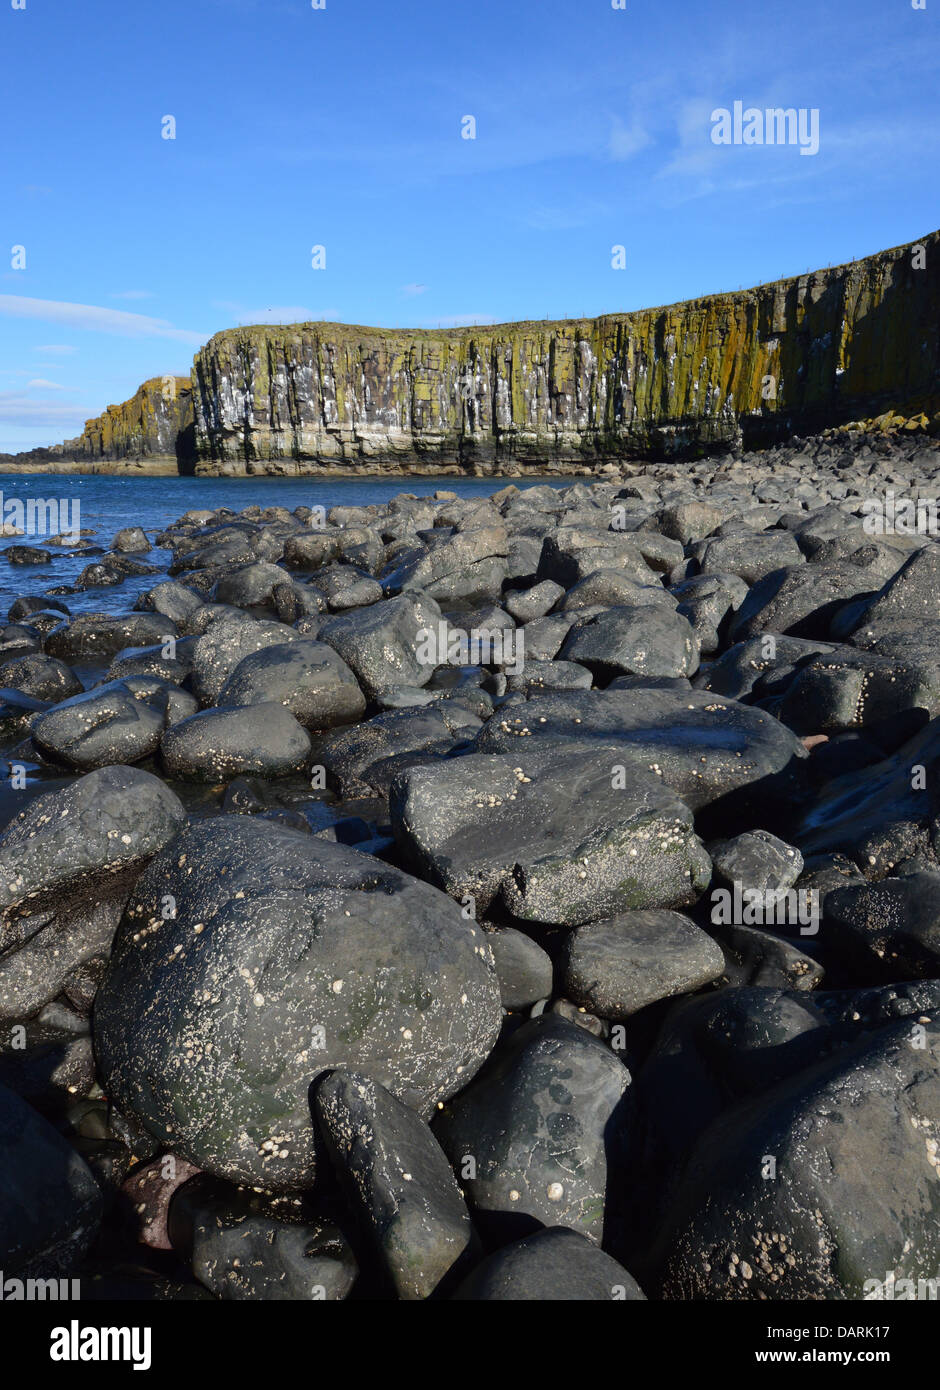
(341, 127)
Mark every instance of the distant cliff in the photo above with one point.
(792, 356)
(150, 433)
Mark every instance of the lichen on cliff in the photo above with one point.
(802, 353)
(795, 355)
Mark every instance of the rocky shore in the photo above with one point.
(525, 898)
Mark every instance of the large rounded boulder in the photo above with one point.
(251, 959)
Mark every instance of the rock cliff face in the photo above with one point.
(794, 355)
(154, 427)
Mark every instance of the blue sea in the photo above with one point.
(109, 503)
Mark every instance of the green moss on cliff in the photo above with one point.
(795, 355)
(150, 423)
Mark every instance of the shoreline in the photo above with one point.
(508, 825)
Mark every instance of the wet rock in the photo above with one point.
(42, 677)
(307, 678)
(75, 839)
(888, 930)
(484, 826)
(113, 723)
(173, 600)
(526, 604)
(381, 644)
(99, 637)
(130, 540)
(712, 751)
(148, 1192)
(647, 641)
(525, 971)
(849, 689)
(756, 859)
(299, 957)
(554, 1265)
(31, 604)
(755, 957)
(224, 645)
(48, 1063)
(616, 967)
(251, 586)
(27, 555)
(533, 1138)
(217, 744)
(244, 1248)
(855, 1155)
(51, 1206)
(365, 760)
(550, 675)
(398, 1182)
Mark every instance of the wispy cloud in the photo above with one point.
(39, 383)
(96, 319)
(627, 140)
(56, 349)
(273, 313)
(54, 417)
(413, 289)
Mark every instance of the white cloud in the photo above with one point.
(57, 419)
(626, 140)
(96, 319)
(39, 383)
(56, 349)
(276, 313)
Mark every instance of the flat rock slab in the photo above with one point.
(704, 747)
(560, 836)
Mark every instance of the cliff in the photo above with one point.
(792, 356)
(788, 357)
(150, 433)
